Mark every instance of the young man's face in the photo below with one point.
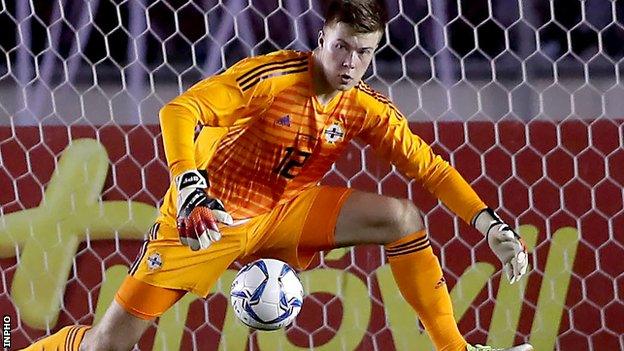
(345, 55)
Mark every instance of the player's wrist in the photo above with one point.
(485, 220)
(192, 179)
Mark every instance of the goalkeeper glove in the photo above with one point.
(506, 244)
(198, 214)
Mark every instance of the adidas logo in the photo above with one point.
(440, 283)
(283, 121)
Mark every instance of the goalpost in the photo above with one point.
(523, 97)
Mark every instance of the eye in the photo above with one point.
(340, 46)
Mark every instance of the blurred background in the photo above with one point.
(97, 61)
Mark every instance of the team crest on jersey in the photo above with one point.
(334, 133)
(154, 261)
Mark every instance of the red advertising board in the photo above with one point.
(547, 175)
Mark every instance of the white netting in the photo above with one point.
(523, 97)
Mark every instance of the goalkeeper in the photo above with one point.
(246, 186)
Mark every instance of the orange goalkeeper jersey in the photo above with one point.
(265, 137)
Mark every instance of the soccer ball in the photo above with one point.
(266, 294)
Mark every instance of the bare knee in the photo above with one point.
(367, 218)
(404, 219)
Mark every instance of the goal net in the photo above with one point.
(523, 97)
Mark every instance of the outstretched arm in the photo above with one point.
(391, 137)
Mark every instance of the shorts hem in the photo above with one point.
(132, 311)
(304, 258)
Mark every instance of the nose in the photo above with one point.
(349, 61)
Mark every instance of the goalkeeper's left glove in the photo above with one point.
(507, 245)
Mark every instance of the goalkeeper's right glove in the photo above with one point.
(198, 213)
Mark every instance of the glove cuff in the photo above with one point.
(192, 179)
(485, 219)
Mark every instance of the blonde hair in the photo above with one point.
(364, 16)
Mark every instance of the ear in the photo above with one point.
(321, 38)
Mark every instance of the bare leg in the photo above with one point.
(396, 223)
(367, 218)
(118, 330)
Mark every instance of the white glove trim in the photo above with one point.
(191, 179)
(485, 219)
(486, 222)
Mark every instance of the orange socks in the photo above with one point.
(66, 339)
(418, 275)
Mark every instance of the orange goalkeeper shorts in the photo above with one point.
(293, 232)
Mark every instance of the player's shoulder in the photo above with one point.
(252, 70)
(275, 57)
(372, 100)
